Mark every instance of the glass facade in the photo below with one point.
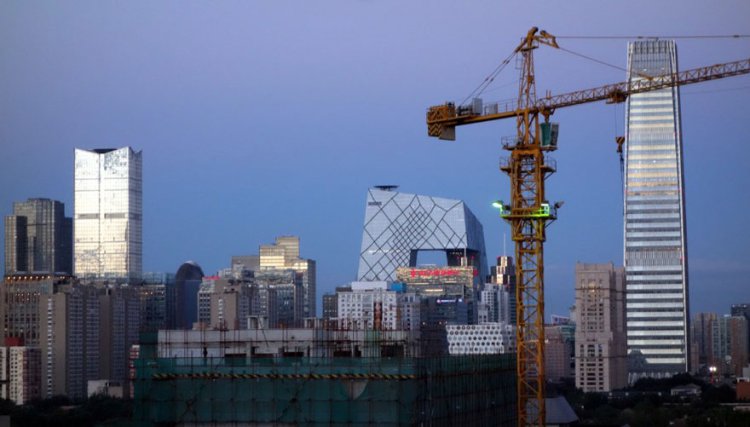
(399, 225)
(38, 238)
(655, 239)
(108, 214)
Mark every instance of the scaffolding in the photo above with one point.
(333, 391)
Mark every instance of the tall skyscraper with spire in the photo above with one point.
(655, 236)
(107, 232)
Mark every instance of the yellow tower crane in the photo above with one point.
(529, 211)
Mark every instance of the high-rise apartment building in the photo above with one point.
(69, 327)
(655, 236)
(600, 347)
(38, 238)
(399, 225)
(20, 299)
(108, 214)
(24, 374)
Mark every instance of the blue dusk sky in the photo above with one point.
(258, 119)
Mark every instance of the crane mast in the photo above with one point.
(529, 212)
(528, 169)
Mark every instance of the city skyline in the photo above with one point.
(206, 196)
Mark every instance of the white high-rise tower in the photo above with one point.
(655, 239)
(107, 231)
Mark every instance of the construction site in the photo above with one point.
(329, 375)
(315, 377)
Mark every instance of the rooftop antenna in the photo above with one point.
(505, 253)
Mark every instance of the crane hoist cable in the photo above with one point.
(489, 79)
(593, 59)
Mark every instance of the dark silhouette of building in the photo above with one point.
(187, 282)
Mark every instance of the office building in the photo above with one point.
(600, 346)
(484, 338)
(278, 295)
(729, 344)
(655, 236)
(377, 306)
(108, 214)
(330, 306)
(331, 302)
(38, 238)
(157, 296)
(187, 283)
(701, 342)
(503, 274)
(399, 225)
(285, 255)
(744, 311)
(495, 302)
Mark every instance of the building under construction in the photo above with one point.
(316, 376)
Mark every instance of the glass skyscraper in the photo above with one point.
(38, 238)
(655, 238)
(108, 214)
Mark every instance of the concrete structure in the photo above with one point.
(70, 345)
(119, 326)
(484, 338)
(399, 225)
(20, 297)
(600, 348)
(24, 373)
(38, 238)
(372, 306)
(558, 353)
(331, 302)
(108, 214)
(228, 303)
(382, 391)
(656, 259)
